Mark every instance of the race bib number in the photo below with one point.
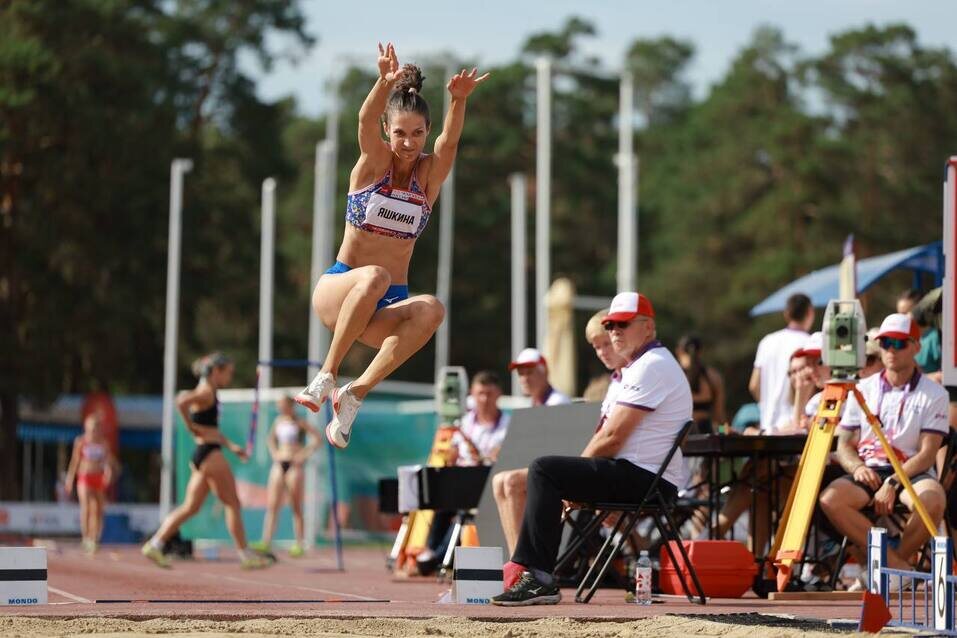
(395, 210)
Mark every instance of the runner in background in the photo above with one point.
(93, 467)
(199, 408)
(289, 455)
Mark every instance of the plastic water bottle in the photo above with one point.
(643, 579)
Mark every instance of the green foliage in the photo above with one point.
(97, 97)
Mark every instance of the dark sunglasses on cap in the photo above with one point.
(890, 343)
(611, 325)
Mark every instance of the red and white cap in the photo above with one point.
(528, 358)
(899, 326)
(628, 305)
(812, 346)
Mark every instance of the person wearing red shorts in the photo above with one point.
(92, 466)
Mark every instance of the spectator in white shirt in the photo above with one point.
(483, 428)
(533, 378)
(769, 379)
(509, 487)
(913, 412)
(478, 441)
(648, 409)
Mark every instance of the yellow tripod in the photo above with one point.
(789, 540)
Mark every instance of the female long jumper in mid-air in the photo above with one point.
(364, 296)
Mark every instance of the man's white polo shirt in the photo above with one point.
(552, 397)
(655, 383)
(611, 395)
(486, 437)
(906, 412)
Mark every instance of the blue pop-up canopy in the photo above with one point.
(822, 285)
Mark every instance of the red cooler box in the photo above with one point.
(726, 569)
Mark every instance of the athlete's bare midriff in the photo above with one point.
(361, 248)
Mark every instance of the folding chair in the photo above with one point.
(653, 504)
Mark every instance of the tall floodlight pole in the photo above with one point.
(543, 191)
(519, 311)
(323, 226)
(178, 168)
(627, 226)
(446, 245)
(267, 258)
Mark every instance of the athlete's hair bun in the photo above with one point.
(411, 79)
(406, 95)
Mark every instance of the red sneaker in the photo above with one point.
(511, 572)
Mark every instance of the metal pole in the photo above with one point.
(636, 191)
(178, 168)
(519, 311)
(446, 246)
(627, 264)
(267, 258)
(323, 223)
(323, 227)
(543, 190)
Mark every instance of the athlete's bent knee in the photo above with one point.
(375, 280)
(498, 484)
(514, 484)
(432, 312)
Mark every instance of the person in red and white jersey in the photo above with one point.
(648, 409)
(913, 412)
(533, 378)
(93, 465)
(769, 380)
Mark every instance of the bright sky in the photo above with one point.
(492, 31)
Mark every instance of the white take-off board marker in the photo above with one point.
(23, 576)
(478, 574)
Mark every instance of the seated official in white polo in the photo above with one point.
(913, 412)
(651, 404)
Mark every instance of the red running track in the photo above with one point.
(76, 581)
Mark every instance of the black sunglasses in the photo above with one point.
(611, 325)
(890, 343)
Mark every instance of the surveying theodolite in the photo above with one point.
(843, 352)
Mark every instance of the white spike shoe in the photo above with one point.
(317, 391)
(344, 408)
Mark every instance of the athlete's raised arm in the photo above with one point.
(370, 115)
(460, 86)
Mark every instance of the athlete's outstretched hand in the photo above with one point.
(463, 83)
(388, 63)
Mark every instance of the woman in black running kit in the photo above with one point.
(199, 408)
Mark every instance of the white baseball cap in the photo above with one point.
(527, 358)
(899, 326)
(812, 346)
(628, 305)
